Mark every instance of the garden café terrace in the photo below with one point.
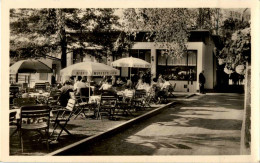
(56, 115)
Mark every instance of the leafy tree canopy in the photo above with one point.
(41, 32)
(168, 25)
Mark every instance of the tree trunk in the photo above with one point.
(63, 54)
(63, 39)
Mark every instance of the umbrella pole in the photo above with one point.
(29, 80)
(131, 73)
(89, 88)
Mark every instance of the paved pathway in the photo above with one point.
(203, 125)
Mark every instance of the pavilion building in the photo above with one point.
(184, 71)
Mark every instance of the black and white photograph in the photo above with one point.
(129, 81)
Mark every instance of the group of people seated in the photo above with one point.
(158, 86)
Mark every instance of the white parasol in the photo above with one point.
(89, 69)
(131, 62)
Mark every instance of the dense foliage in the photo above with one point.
(40, 32)
(56, 32)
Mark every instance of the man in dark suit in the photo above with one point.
(202, 81)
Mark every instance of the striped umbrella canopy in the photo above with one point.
(89, 69)
(29, 66)
(131, 62)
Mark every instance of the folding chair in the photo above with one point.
(35, 118)
(17, 103)
(54, 97)
(13, 122)
(107, 105)
(62, 118)
(139, 99)
(163, 95)
(126, 103)
(171, 90)
(13, 93)
(40, 86)
(83, 101)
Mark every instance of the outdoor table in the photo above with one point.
(41, 97)
(18, 112)
(94, 99)
(37, 94)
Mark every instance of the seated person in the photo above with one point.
(102, 81)
(113, 80)
(25, 94)
(166, 84)
(71, 80)
(154, 82)
(129, 83)
(79, 84)
(119, 81)
(105, 86)
(147, 87)
(64, 94)
(164, 89)
(140, 84)
(160, 81)
(128, 93)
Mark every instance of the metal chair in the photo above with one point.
(107, 105)
(171, 90)
(127, 103)
(35, 118)
(83, 102)
(40, 86)
(17, 103)
(53, 99)
(13, 122)
(163, 95)
(139, 99)
(13, 93)
(62, 118)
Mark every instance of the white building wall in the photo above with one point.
(49, 63)
(37, 79)
(198, 46)
(208, 67)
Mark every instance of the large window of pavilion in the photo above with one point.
(184, 68)
(144, 54)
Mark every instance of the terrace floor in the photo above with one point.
(80, 128)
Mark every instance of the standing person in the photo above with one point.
(202, 81)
